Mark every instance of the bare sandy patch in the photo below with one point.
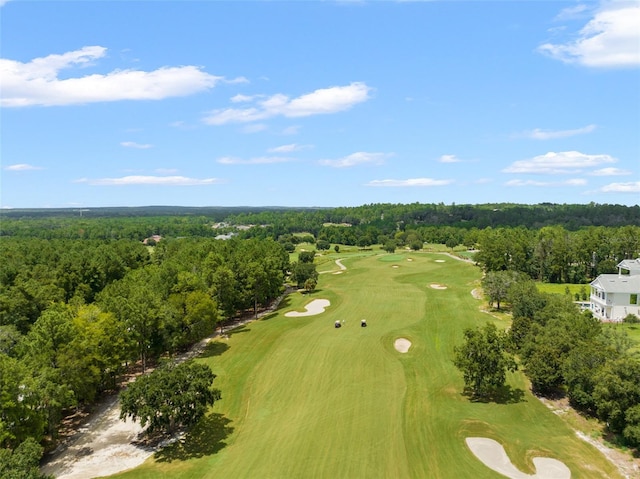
(493, 455)
(107, 449)
(402, 345)
(409, 259)
(395, 266)
(440, 261)
(316, 306)
(476, 293)
(437, 286)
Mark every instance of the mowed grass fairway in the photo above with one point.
(301, 399)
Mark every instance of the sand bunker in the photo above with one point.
(316, 306)
(402, 345)
(395, 266)
(437, 286)
(439, 261)
(493, 455)
(409, 259)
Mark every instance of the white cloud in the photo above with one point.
(322, 101)
(544, 184)
(570, 13)
(150, 180)
(449, 159)
(21, 167)
(236, 80)
(241, 98)
(539, 134)
(561, 162)
(610, 172)
(133, 144)
(37, 82)
(631, 187)
(410, 182)
(260, 160)
(358, 158)
(610, 39)
(288, 148)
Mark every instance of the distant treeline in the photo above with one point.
(549, 242)
(383, 218)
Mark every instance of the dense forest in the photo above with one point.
(86, 294)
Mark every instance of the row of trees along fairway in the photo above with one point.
(74, 314)
(562, 350)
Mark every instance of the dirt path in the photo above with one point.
(103, 444)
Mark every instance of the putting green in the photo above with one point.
(302, 399)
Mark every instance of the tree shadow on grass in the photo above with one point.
(214, 348)
(204, 439)
(267, 317)
(502, 395)
(238, 330)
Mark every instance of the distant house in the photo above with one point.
(614, 296)
(152, 239)
(225, 237)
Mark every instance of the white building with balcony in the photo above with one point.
(614, 296)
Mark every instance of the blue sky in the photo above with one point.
(318, 103)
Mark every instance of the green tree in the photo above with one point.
(631, 432)
(306, 256)
(20, 413)
(310, 285)
(550, 342)
(172, 396)
(23, 462)
(580, 367)
(323, 245)
(452, 242)
(390, 246)
(617, 394)
(496, 285)
(483, 360)
(136, 302)
(302, 272)
(416, 245)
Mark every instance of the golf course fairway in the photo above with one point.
(303, 399)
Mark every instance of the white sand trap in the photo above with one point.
(409, 259)
(402, 345)
(437, 286)
(395, 266)
(493, 455)
(439, 261)
(316, 306)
